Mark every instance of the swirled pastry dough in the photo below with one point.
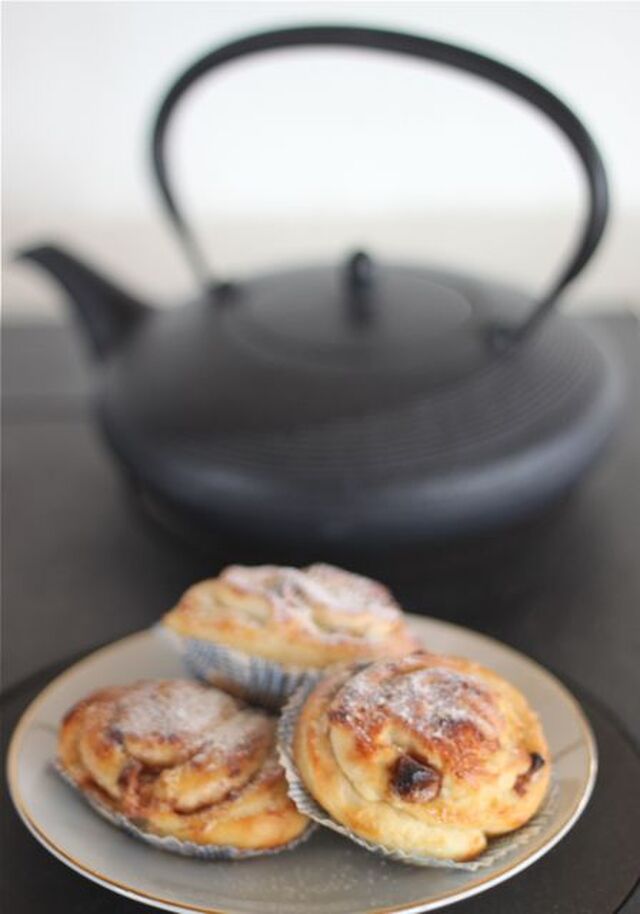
(428, 754)
(310, 617)
(181, 759)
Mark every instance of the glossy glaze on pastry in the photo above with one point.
(309, 617)
(430, 755)
(178, 758)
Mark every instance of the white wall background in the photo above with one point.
(301, 155)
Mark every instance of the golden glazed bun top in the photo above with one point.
(310, 617)
(428, 754)
(181, 759)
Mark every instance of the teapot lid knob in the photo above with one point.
(359, 275)
(360, 271)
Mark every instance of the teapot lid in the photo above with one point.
(303, 347)
(361, 316)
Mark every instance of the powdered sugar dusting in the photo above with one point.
(352, 592)
(238, 734)
(432, 702)
(320, 594)
(172, 709)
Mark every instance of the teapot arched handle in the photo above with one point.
(426, 49)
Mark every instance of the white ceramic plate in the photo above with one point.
(328, 874)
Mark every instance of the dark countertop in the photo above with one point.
(81, 567)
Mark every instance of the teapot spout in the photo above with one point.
(105, 312)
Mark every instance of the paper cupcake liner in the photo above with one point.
(174, 845)
(252, 678)
(498, 847)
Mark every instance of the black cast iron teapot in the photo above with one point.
(354, 404)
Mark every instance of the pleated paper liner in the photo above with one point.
(497, 849)
(252, 678)
(171, 844)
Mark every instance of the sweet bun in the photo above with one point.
(427, 755)
(176, 758)
(303, 618)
